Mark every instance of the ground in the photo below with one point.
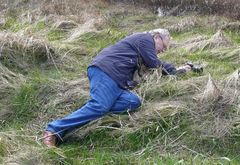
(45, 50)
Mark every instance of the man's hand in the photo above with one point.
(185, 67)
(190, 67)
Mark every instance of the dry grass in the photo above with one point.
(233, 80)
(231, 54)
(58, 99)
(184, 24)
(17, 151)
(233, 26)
(65, 25)
(192, 23)
(9, 81)
(221, 7)
(88, 26)
(23, 53)
(216, 112)
(201, 42)
(158, 110)
(210, 92)
(65, 92)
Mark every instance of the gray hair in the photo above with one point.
(162, 32)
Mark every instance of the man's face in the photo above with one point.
(161, 44)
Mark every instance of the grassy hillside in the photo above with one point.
(180, 7)
(45, 48)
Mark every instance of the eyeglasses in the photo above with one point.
(165, 46)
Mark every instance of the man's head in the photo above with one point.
(161, 39)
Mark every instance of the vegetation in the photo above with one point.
(45, 49)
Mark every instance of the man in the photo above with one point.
(111, 76)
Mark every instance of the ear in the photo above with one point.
(156, 36)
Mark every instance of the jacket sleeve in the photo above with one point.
(147, 51)
(168, 69)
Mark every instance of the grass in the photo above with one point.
(39, 26)
(3, 150)
(97, 41)
(68, 156)
(102, 157)
(161, 91)
(56, 34)
(25, 102)
(105, 147)
(218, 68)
(234, 35)
(109, 152)
(143, 138)
(13, 25)
(9, 23)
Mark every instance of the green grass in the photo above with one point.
(97, 41)
(19, 26)
(155, 141)
(25, 102)
(107, 157)
(197, 31)
(77, 153)
(56, 34)
(102, 157)
(234, 35)
(218, 68)
(162, 91)
(73, 155)
(3, 149)
(8, 24)
(13, 25)
(39, 26)
(116, 141)
(131, 22)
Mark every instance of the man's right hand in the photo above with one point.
(185, 67)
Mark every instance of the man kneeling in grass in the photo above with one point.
(111, 78)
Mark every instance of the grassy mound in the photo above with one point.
(23, 53)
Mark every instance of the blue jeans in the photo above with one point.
(105, 97)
